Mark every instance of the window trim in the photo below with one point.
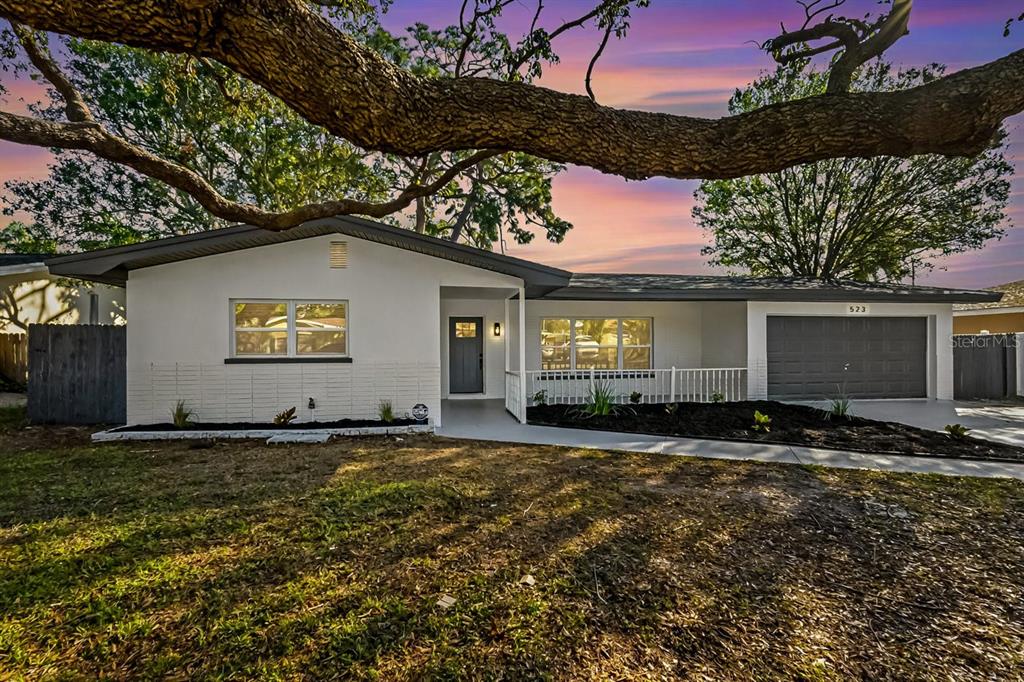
(619, 346)
(291, 352)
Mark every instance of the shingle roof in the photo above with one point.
(1013, 297)
(112, 265)
(745, 288)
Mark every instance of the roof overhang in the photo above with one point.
(111, 266)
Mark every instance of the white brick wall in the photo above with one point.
(229, 393)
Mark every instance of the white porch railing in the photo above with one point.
(514, 395)
(702, 385)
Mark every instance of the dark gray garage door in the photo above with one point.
(883, 357)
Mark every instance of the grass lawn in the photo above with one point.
(245, 560)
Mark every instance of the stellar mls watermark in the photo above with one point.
(983, 341)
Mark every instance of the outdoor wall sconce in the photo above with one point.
(497, 328)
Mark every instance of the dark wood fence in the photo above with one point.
(984, 366)
(14, 357)
(76, 374)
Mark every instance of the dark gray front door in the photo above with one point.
(866, 357)
(466, 355)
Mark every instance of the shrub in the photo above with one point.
(717, 397)
(635, 397)
(600, 401)
(762, 422)
(839, 406)
(671, 409)
(540, 397)
(181, 415)
(286, 417)
(958, 431)
(385, 412)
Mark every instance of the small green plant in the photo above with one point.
(540, 397)
(958, 431)
(286, 417)
(839, 406)
(635, 397)
(717, 397)
(600, 402)
(671, 409)
(181, 415)
(762, 422)
(385, 411)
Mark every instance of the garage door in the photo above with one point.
(874, 357)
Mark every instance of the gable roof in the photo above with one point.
(1013, 297)
(112, 265)
(585, 286)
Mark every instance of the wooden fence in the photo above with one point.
(14, 357)
(76, 374)
(984, 366)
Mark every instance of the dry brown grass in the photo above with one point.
(327, 561)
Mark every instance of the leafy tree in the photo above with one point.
(881, 218)
(305, 53)
(252, 148)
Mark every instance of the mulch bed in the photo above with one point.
(267, 426)
(791, 425)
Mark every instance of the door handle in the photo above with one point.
(481, 361)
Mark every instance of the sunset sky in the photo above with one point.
(686, 57)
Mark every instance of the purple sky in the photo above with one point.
(686, 57)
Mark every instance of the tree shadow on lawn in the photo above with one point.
(320, 561)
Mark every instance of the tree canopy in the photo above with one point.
(252, 148)
(305, 55)
(881, 218)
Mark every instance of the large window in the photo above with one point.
(595, 343)
(289, 328)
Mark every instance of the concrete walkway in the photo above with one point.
(488, 420)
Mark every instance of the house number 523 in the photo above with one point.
(855, 309)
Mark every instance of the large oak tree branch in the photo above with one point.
(90, 136)
(353, 92)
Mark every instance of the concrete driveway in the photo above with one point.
(995, 421)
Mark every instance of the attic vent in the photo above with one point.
(339, 254)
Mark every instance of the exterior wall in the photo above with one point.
(492, 310)
(723, 329)
(179, 333)
(940, 331)
(995, 323)
(49, 300)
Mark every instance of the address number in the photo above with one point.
(857, 309)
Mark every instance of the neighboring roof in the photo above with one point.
(1013, 297)
(20, 264)
(112, 265)
(585, 286)
(22, 258)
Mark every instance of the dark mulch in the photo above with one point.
(791, 425)
(248, 426)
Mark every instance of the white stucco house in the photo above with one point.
(336, 315)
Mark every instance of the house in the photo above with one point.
(30, 294)
(335, 315)
(993, 317)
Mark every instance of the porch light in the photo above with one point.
(497, 328)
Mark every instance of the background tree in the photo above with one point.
(865, 219)
(252, 148)
(300, 53)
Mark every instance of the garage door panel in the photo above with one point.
(872, 357)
